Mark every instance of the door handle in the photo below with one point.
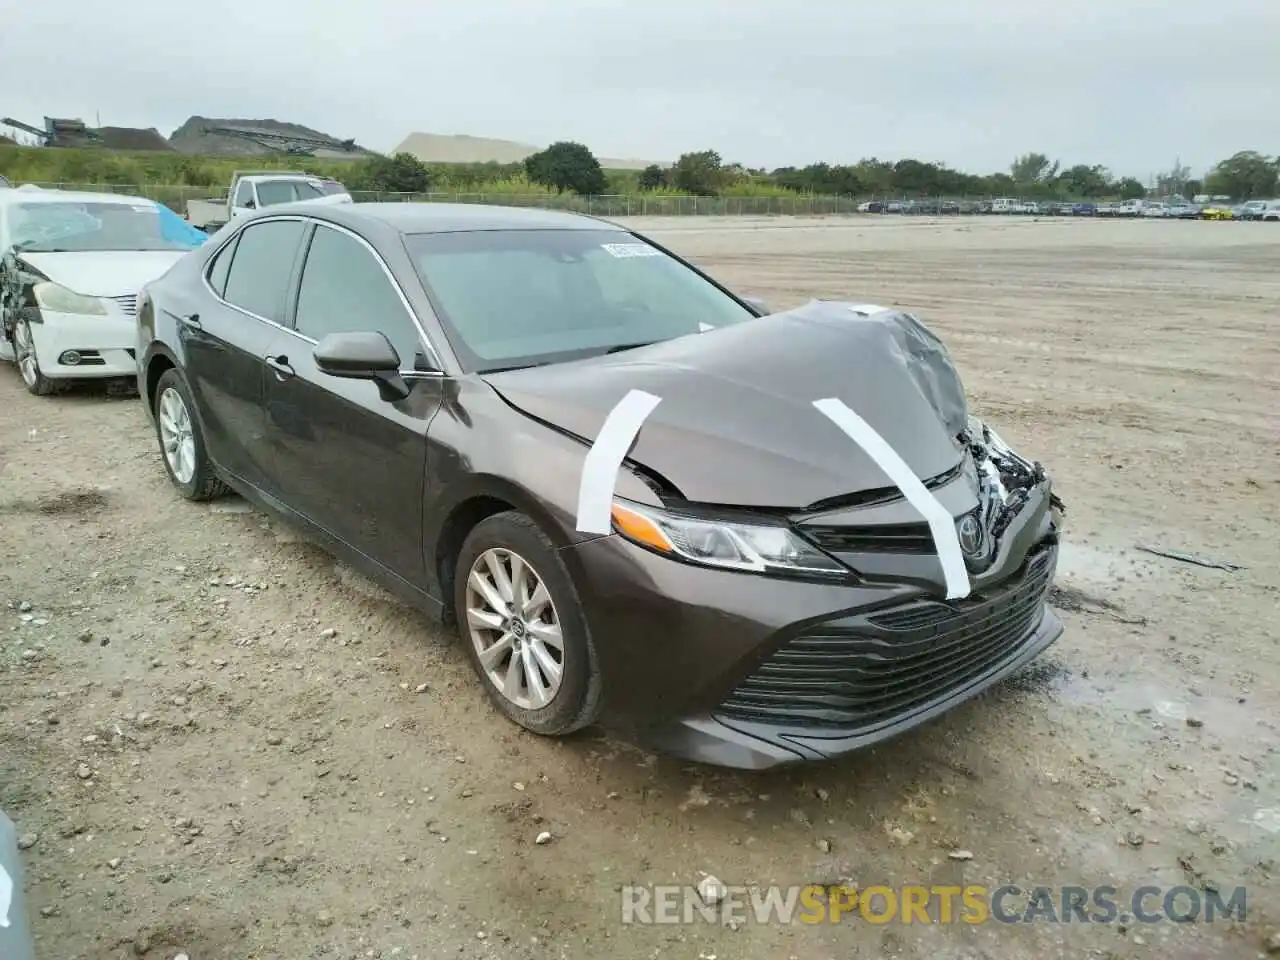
(192, 320)
(280, 365)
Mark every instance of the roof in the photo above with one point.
(411, 218)
(21, 195)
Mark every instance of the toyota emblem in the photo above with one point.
(970, 534)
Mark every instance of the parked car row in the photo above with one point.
(1177, 208)
(551, 432)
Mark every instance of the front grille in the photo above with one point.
(128, 304)
(863, 672)
(888, 538)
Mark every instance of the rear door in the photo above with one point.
(227, 344)
(345, 459)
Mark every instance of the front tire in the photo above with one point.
(181, 442)
(24, 355)
(522, 625)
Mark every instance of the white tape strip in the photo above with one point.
(941, 524)
(867, 309)
(6, 896)
(600, 469)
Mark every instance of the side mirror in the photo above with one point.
(363, 356)
(249, 204)
(758, 305)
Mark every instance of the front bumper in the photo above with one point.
(106, 346)
(754, 672)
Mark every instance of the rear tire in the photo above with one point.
(521, 623)
(181, 442)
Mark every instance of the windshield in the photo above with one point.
(272, 192)
(88, 226)
(514, 298)
(331, 187)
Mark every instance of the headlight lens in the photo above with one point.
(51, 296)
(759, 548)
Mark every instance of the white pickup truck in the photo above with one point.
(253, 189)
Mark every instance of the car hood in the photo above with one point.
(736, 424)
(108, 273)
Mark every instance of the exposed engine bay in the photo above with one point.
(1004, 479)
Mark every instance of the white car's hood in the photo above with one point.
(108, 273)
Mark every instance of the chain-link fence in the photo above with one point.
(631, 205)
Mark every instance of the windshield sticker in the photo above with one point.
(624, 250)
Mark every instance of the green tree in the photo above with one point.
(698, 173)
(1193, 188)
(566, 166)
(1246, 175)
(651, 177)
(402, 173)
(1033, 168)
(1084, 181)
(1130, 189)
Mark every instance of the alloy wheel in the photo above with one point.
(176, 435)
(25, 353)
(515, 628)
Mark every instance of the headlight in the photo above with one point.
(51, 296)
(732, 545)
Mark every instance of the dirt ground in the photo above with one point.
(223, 745)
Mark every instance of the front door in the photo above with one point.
(345, 459)
(227, 338)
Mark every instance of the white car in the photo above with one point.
(72, 266)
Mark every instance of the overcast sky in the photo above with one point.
(1131, 84)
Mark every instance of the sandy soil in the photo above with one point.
(222, 744)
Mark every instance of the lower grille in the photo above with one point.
(863, 672)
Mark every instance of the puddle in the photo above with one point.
(1150, 701)
(1083, 563)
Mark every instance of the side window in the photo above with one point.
(262, 266)
(244, 193)
(345, 290)
(221, 267)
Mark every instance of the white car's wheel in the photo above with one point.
(24, 349)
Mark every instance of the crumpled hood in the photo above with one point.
(108, 273)
(736, 424)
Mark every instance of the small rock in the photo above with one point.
(960, 855)
(1272, 943)
(324, 919)
(1230, 779)
(113, 863)
(1194, 722)
(30, 655)
(274, 739)
(711, 890)
(83, 771)
(420, 688)
(24, 606)
(28, 840)
(328, 633)
(543, 838)
(822, 795)
(48, 912)
(824, 846)
(1134, 839)
(85, 636)
(181, 956)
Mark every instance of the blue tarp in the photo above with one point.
(176, 230)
